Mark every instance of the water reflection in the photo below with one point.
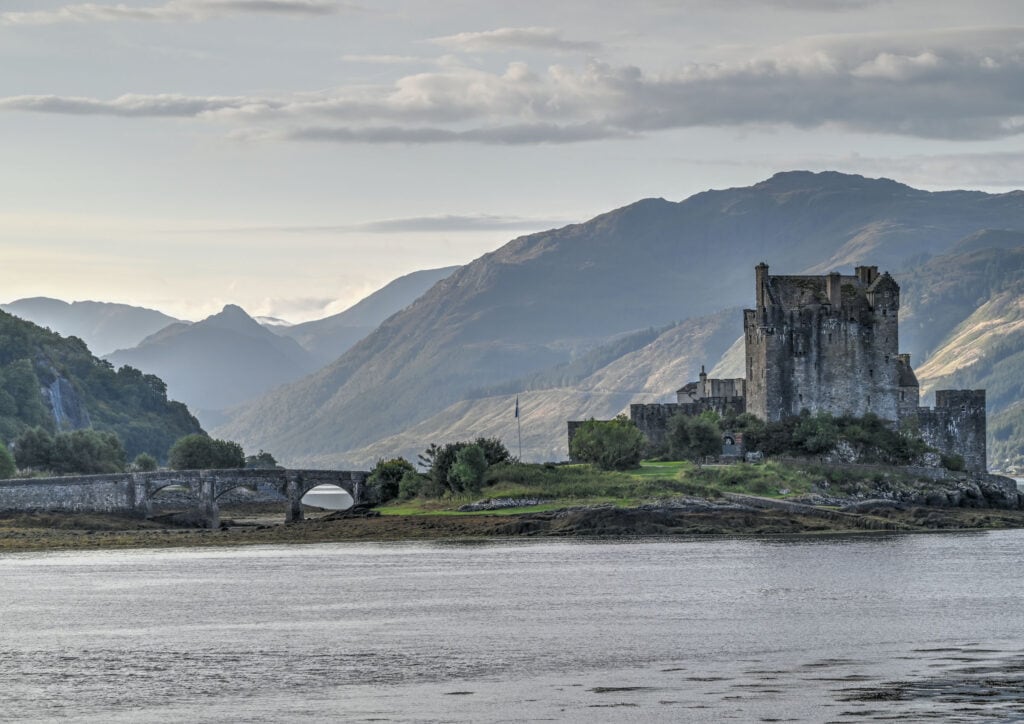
(862, 628)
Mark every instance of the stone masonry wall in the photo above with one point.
(135, 492)
(957, 426)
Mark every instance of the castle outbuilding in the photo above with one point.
(829, 343)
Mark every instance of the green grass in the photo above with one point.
(569, 485)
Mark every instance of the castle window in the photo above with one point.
(871, 373)
(829, 336)
(902, 395)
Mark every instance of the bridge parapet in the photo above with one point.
(133, 493)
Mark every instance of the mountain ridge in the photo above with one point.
(542, 299)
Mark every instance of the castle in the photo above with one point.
(829, 344)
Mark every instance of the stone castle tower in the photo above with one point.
(827, 344)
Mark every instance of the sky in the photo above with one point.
(291, 156)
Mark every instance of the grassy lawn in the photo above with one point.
(568, 485)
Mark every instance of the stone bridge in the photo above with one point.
(133, 493)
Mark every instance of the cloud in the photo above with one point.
(513, 135)
(985, 170)
(386, 59)
(514, 38)
(132, 105)
(173, 11)
(958, 85)
(416, 224)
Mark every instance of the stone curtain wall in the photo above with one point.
(956, 426)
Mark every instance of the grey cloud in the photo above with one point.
(449, 222)
(173, 11)
(509, 135)
(956, 85)
(416, 224)
(508, 38)
(133, 105)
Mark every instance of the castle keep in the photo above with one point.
(830, 344)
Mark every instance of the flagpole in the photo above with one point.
(519, 427)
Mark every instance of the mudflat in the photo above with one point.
(264, 525)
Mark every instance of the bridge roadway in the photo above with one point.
(133, 493)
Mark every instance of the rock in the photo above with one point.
(936, 499)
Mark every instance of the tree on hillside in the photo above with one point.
(201, 452)
(610, 444)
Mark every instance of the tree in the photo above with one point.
(439, 459)
(32, 449)
(87, 452)
(494, 450)
(7, 466)
(694, 438)
(201, 452)
(467, 472)
(816, 435)
(261, 460)
(386, 477)
(144, 463)
(610, 444)
(412, 484)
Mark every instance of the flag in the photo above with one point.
(517, 407)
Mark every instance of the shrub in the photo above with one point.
(694, 438)
(144, 463)
(7, 466)
(468, 470)
(610, 444)
(85, 452)
(201, 452)
(386, 477)
(439, 459)
(412, 484)
(953, 462)
(32, 449)
(261, 461)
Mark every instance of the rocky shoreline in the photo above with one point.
(677, 517)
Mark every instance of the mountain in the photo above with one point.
(545, 299)
(222, 361)
(968, 311)
(328, 338)
(55, 382)
(103, 326)
(650, 372)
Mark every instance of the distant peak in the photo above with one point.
(814, 180)
(232, 315)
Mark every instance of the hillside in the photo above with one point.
(544, 299)
(103, 326)
(328, 338)
(54, 382)
(222, 361)
(650, 373)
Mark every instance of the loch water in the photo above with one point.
(829, 629)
